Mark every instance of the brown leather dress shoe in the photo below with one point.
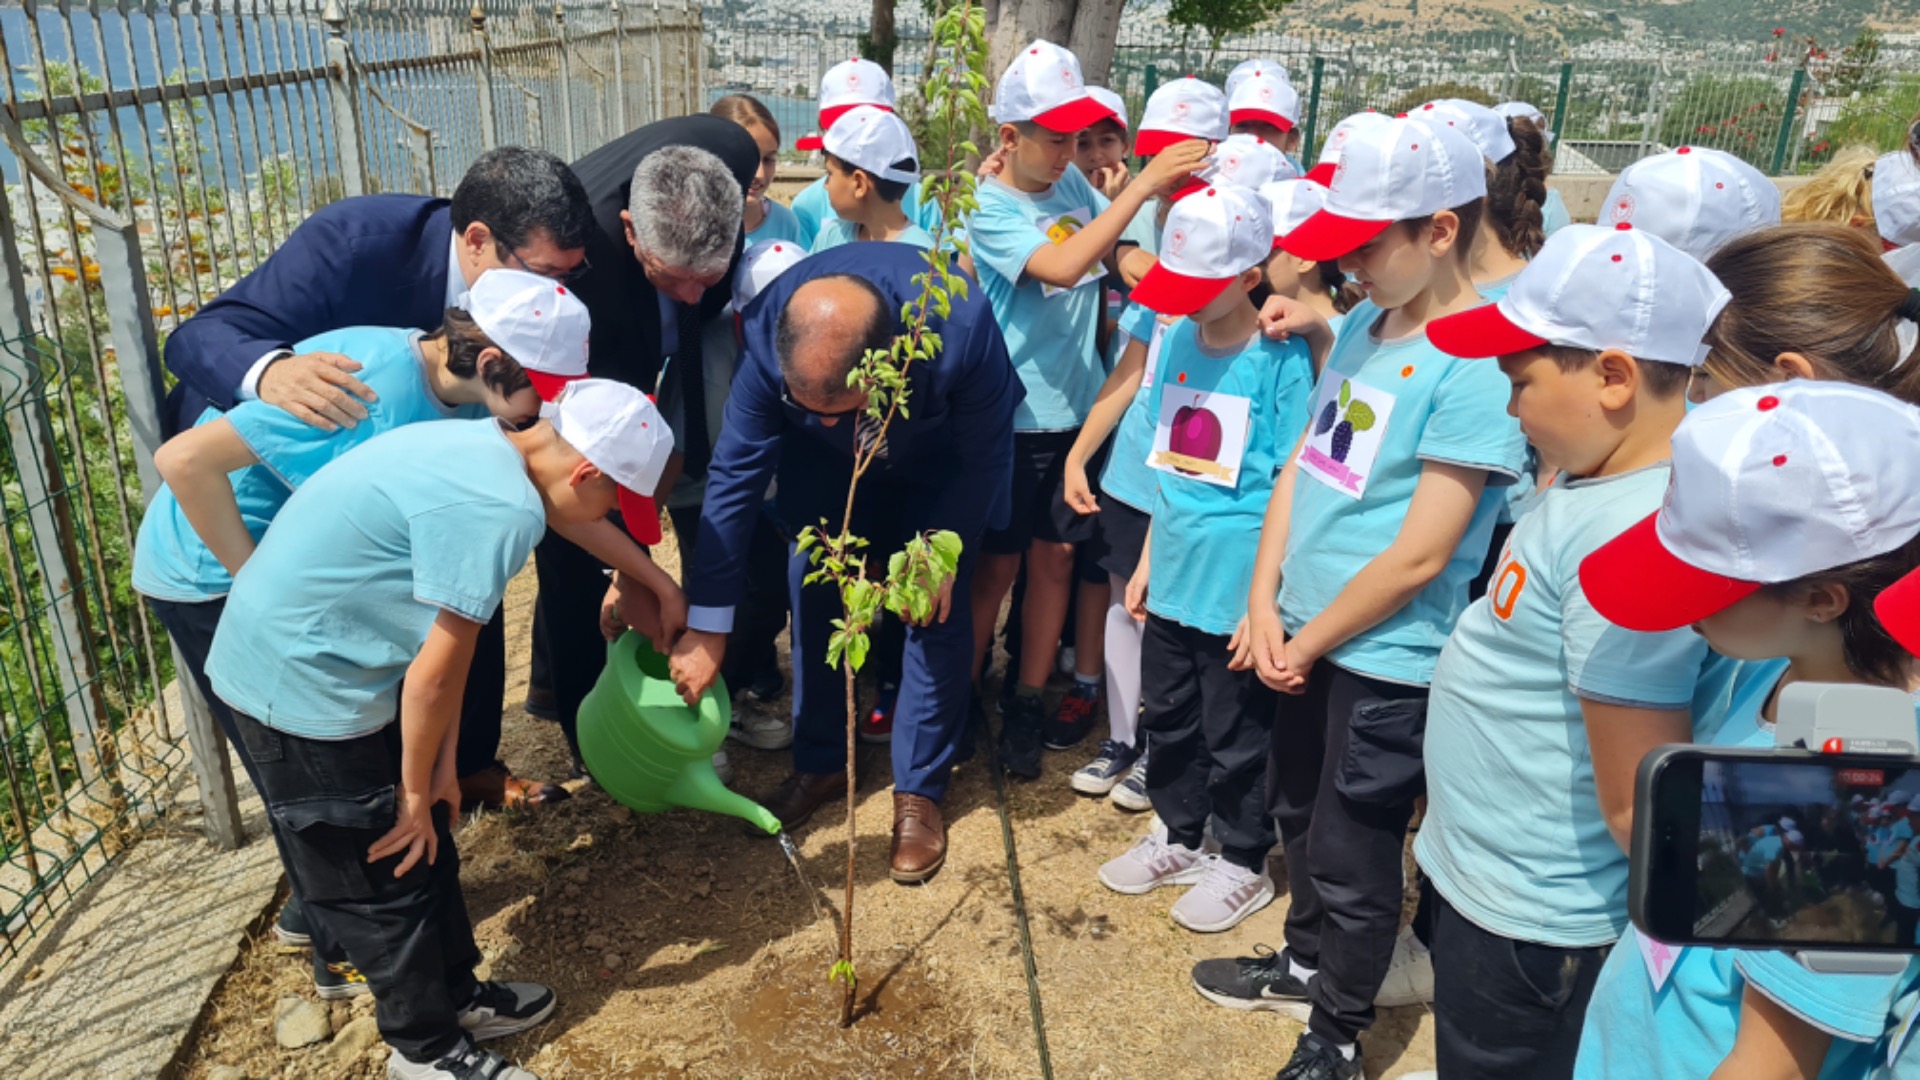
(919, 838)
(800, 794)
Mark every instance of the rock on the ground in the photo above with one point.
(226, 1072)
(338, 1014)
(359, 1036)
(299, 1022)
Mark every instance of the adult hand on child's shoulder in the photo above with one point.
(317, 388)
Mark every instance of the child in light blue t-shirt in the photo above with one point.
(1039, 241)
(764, 219)
(1763, 477)
(1538, 705)
(871, 163)
(1376, 525)
(814, 210)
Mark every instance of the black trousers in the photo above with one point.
(1505, 1009)
(1211, 728)
(754, 646)
(1343, 771)
(566, 625)
(409, 935)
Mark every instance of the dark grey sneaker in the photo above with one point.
(1020, 726)
(1106, 770)
(291, 928)
(338, 980)
(469, 1062)
(1261, 982)
(1131, 793)
(1314, 1058)
(501, 1009)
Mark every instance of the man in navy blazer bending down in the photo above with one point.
(947, 466)
(387, 260)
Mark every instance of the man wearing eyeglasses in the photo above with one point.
(948, 464)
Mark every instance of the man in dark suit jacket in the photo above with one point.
(946, 466)
(386, 260)
(662, 257)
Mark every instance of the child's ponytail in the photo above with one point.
(1821, 291)
(1517, 189)
(1347, 293)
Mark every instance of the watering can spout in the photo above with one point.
(699, 787)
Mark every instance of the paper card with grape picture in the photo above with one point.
(1349, 421)
(1200, 436)
(1061, 229)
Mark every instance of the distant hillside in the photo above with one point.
(1833, 22)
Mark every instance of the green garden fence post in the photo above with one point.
(1787, 117)
(1313, 106)
(1560, 100)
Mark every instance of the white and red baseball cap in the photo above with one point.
(1291, 203)
(848, 85)
(1322, 171)
(1694, 198)
(759, 266)
(1114, 103)
(1246, 69)
(1182, 109)
(1043, 85)
(1267, 98)
(1247, 161)
(1209, 240)
(1520, 110)
(875, 140)
(1770, 484)
(1596, 288)
(1401, 170)
(618, 430)
(1487, 128)
(539, 323)
(1896, 198)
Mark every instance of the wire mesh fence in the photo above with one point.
(154, 151)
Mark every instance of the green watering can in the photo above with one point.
(647, 749)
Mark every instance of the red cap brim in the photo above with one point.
(1327, 236)
(642, 516)
(1153, 141)
(1241, 116)
(1172, 293)
(1481, 332)
(548, 385)
(1193, 188)
(1074, 115)
(1898, 609)
(1634, 582)
(810, 142)
(1322, 173)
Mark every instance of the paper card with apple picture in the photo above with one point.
(1349, 422)
(1059, 230)
(1200, 436)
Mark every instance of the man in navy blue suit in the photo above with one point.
(947, 466)
(388, 260)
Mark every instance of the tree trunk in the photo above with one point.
(1096, 28)
(881, 37)
(1013, 23)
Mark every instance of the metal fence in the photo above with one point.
(153, 151)
(1781, 105)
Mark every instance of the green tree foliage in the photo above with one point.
(1420, 95)
(1219, 19)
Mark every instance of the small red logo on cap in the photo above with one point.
(1180, 110)
(1622, 209)
(853, 80)
(1779, 460)
(1768, 403)
(1176, 242)
(1684, 150)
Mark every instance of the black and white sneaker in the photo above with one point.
(1106, 770)
(291, 928)
(469, 1062)
(1314, 1058)
(500, 1009)
(1131, 793)
(1020, 725)
(338, 980)
(1261, 982)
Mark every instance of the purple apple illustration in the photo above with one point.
(1196, 434)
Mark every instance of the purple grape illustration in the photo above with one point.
(1327, 416)
(1342, 440)
(1359, 417)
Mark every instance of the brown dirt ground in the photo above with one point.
(682, 947)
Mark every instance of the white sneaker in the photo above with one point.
(1152, 863)
(760, 730)
(1225, 895)
(723, 767)
(1409, 978)
(500, 1009)
(468, 1062)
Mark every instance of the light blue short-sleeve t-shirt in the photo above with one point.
(1514, 837)
(838, 231)
(1201, 563)
(814, 209)
(1126, 476)
(780, 223)
(1381, 411)
(1050, 332)
(1683, 1030)
(326, 616)
(1553, 212)
(169, 560)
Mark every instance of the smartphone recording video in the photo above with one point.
(1768, 849)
